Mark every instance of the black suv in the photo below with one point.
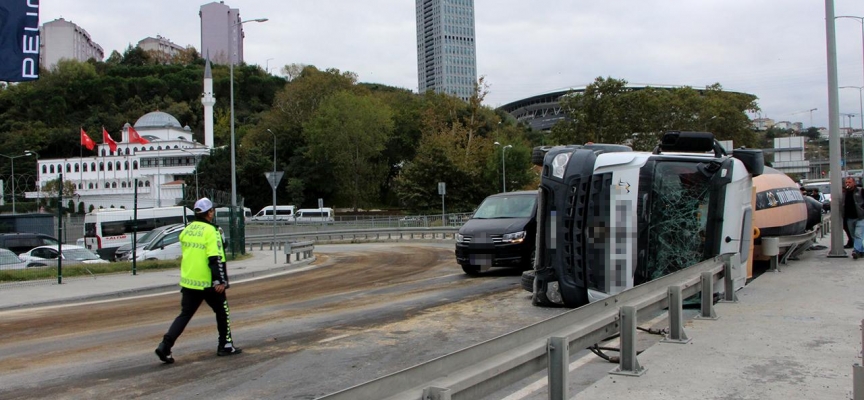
(22, 242)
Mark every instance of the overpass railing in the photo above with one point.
(480, 370)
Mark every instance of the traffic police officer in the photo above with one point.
(203, 278)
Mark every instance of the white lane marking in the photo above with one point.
(579, 362)
(334, 338)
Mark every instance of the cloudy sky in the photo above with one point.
(774, 49)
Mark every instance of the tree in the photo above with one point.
(609, 111)
(349, 133)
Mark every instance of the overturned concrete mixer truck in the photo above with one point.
(609, 218)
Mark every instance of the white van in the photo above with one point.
(314, 215)
(223, 214)
(284, 214)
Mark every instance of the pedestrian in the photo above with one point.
(853, 214)
(203, 278)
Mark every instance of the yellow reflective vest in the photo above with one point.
(200, 241)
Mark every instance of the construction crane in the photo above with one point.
(804, 111)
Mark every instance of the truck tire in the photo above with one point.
(528, 280)
(539, 154)
(471, 270)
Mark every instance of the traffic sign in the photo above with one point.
(442, 188)
(274, 178)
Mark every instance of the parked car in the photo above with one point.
(164, 246)
(501, 233)
(9, 260)
(21, 242)
(49, 255)
(124, 252)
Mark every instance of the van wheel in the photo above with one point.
(471, 270)
(528, 280)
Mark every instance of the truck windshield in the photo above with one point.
(516, 206)
(680, 194)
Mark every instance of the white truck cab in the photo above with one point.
(610, 219)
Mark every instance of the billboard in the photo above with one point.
(19, 40)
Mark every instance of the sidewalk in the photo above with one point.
(793, 334)
(101, 287)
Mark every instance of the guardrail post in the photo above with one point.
(558, 359)
(729, 295)
(628, 364)
(858, 373)
(707, 311)
(676, 322)
(771, 248)
(436, 393)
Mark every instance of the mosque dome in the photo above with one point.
(157, 119)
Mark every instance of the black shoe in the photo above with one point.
(164, 353)
(849, 246)
(855, 255)
(228, 350)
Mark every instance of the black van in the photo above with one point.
(23, 242)
(501, 233)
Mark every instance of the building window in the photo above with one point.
(103, 152)
(52, 168)
(110, 166)
(114, 185)
(140, 184)
(134, 164)
(77, 167)
(80, 186)
(101, 166)
(146, 183)
(123, 185)
(44, 169)
(127, 151)
(91, 186)
(107, 186)
(126, 165)
(68, 167)
(117, 165)
(92, 167)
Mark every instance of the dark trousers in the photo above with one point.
(190, 302)
(849, 235)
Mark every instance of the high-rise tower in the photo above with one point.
(221, 33)
(446, 51)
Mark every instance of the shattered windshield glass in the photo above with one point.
(678, 217)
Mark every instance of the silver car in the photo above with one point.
(8, 260)
(49, 255)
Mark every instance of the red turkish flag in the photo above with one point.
(86, 141)
(106, 138)
(135, 137)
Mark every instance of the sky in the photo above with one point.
(773, 49)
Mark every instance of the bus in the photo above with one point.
(314, 215)
(106, 230)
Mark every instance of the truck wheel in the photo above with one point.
(539, 154)
(471, 270)
(528, 280)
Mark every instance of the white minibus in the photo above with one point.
(283, 214)
(106, 230)
(314, 215)
(223, 215)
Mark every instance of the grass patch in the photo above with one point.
(70, 271)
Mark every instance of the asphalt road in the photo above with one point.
(365, 311)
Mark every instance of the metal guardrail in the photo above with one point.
(352, 235)
(482, 369)
(298, 248)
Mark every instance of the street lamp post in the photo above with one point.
(38, 181)
(274, 195)
(27, 153)
(231, 49)
(503, 166)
